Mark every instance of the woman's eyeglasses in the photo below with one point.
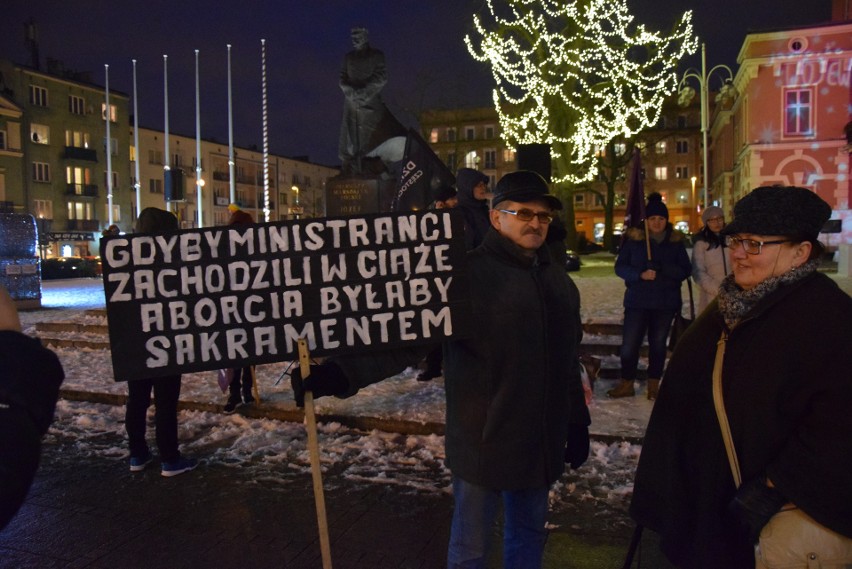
(751, 246)
(528, 214)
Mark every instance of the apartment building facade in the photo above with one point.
(671, 158)
(296, 187)
(53, 155)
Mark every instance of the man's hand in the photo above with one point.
(9, 319)
(325, 379)
(577, 445)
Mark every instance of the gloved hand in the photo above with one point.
(753, 505)
(325, 379)
(577, 445)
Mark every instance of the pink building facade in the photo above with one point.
(788, 123)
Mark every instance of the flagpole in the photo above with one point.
(198, 181)
(166, 159)
(108, 151)
(232, 183)
(138, 184)
(265, 136)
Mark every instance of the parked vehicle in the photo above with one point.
(572, 261)
(68, 268)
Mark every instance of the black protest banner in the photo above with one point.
(422, 173)
(212, 298)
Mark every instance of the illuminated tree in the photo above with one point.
(576, 75)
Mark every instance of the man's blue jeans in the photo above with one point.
(636, 322)
(476, 510)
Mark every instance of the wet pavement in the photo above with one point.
(90, 511)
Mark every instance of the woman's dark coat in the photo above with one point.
(787, 387)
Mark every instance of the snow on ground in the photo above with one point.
(276, 450)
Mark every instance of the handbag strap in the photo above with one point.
(691, 299)
(721, 415)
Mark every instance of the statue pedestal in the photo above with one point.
(356, 194)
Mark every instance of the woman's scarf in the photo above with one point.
(734, 302)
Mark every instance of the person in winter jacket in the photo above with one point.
(709, 256)
(786, 388)
(30, 376)
(516, 411)
(653, 267)
(473, 203)
(166, 390)
(242, 378)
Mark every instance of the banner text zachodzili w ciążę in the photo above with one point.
(213, 298)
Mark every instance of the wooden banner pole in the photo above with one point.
(313, 451)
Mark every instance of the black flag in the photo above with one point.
(422, 173)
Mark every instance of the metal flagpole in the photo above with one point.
(108, 151)
(198, 181)
(138, 184)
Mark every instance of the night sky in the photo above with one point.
(428, 64)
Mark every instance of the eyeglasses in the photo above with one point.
(751, 246)
(528, 214)
(720, 218)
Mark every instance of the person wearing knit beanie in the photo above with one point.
(653, 263)
(710, 263)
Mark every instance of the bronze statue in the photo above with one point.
(367, 122)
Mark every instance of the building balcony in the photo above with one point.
(222, 176)
(83, 225)
(76, 153)
(84, 190)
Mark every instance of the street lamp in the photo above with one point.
(686, 94)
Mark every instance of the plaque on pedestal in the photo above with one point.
(356, 195)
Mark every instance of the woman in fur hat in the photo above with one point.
(783, 333)
(653, 267)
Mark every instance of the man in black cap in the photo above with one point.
(515, 405)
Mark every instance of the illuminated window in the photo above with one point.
(660, 148)
(43, 209)
(682, 198)
(433, 136)
(79, 210)
(471, 160)
(798, 112)
(39, 133)
(113, 112)
(76, 139)
(661, 173)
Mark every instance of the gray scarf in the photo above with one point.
(734, 302)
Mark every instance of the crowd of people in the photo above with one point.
(767, 358)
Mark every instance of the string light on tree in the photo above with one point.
(576, 75)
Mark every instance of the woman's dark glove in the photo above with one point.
(577, 445)
(325, 379)
(753, 505)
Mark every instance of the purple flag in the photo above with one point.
(636, 194)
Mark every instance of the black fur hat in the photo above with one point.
(780, 210)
